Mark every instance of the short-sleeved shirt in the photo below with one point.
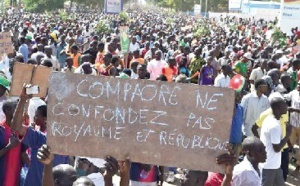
(34, 140)
(257, 74)
(196, 64)
(207, 75)
(222, 81)
(245, 175)
(241, 68)
(236, 134)
(294, 96)
(170, 72)
(155, 68)
(284, 118)
(10, 162)
(214, 179)
(76, 60)
(271, 134)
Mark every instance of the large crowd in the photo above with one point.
(265, 131)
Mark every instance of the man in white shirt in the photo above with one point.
(156, 65)
(134, 45)
(223, 79)
(34, 103)
(258, 73)
(253, 105)
(224, 60)
(40, 48)
(247, 172)
(285, 83)
(271, 136)
(281, 58)
(86, 68)
(54, 61)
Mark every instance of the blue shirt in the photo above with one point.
(34, 140)
(24, 51)
(61, 58)
(236, 135)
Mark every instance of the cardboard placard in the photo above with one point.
(6, 45)
(160, 123)
(30, 74)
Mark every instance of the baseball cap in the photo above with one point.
(248, 56)
(4, 82)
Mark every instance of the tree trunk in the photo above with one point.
(71, 4)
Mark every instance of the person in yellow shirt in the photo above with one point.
(100, 55)
(283, 120)
(76, 56)
(137, 58)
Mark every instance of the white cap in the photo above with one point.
(248, 56)
(100, 163)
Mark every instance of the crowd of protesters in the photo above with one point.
(265, 131)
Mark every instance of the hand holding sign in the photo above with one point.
(146, 120)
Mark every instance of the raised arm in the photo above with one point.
(227, 160)
(13, 141)
(17, 121)
(45, 157)
(125, 172)
(112, 168)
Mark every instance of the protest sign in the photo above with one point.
(289, 15)
(153, 122)
(6, 45)
(30, 74)
(113, 6)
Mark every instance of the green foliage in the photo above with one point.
(124, 16)
(102, 28)
(169, 21)
(201, 31)
(277, 35)
(63, 15)
(43, 5)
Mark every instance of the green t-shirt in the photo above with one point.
(241, 68)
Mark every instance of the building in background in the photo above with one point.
(289, 15)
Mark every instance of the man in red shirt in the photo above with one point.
(10, 149)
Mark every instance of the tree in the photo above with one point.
(43, 5)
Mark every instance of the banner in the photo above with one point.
(289, 15)
(152, 122)
(30, 74)
(6, 45)
(197, 9)
(113, 6)
(234, 4)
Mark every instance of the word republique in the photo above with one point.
(168, 114)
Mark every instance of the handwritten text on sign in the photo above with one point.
(6, 45)
(152, 122)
